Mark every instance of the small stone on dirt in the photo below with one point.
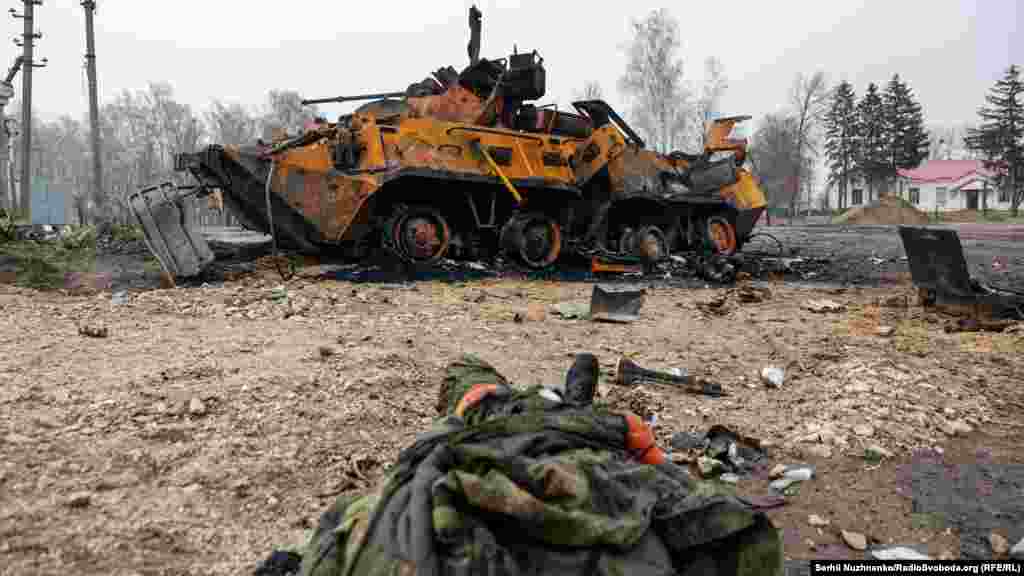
(196, 407)
(773, 376)
(885, 331)
(899, 553)
(80, 500)
(819, 450)
(799, 474)
(855, 540)
(326, 351)
(876, 452)
(957, 428)
(729, 478)
(777, 471)
(863, 430)
(1000, 545)
(815, 520)
(94, 331)
(823, 306)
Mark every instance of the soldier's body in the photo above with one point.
(535, 481)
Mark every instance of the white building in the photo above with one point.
(936, 185)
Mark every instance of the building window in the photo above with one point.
(1004, 194)
(940, 196)
(915, 195)
(857, 197)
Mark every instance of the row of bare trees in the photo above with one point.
(141, 133)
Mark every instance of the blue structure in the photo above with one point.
(49, 205)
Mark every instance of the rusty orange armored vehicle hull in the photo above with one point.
(463, 165)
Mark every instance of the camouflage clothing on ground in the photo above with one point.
(521, 484)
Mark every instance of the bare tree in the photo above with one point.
(809, 100)
(774, 153)
(707, 105)
(654, 80)
(231, 123)
(284, 111)
(591, 91)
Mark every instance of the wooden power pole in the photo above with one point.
(28, 39)
(98, 197)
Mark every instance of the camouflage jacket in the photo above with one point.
(546, 490)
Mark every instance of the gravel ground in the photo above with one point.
(211, 424)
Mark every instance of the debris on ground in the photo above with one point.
(792, 475)
(1000, 545)
(94, 330)
(875, 453)
(978, 325)
(325, 352)
(773, 376)
(196, 407)
(571, 310)
(616, 304)
(855, 540)
(823, 306)
(79, 500)
(885, 331)
(887, 210)
(898, 553)
(957, 428)
(628, 373)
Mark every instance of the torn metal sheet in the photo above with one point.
(169, 229)
(615, 304)
(939, 270)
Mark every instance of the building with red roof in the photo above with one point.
(935, 185)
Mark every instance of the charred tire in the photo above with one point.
(721, 235)
(533, 239)
(648, 243)
(418, 234)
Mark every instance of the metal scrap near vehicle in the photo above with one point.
(464, 166)
(939, 270)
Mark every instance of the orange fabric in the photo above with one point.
(477, 393)
(640, 441)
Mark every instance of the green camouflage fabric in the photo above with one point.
(523, 485)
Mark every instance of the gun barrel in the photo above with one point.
(353, 98)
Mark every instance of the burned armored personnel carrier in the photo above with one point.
(466, 165)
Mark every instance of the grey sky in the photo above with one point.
(949, 51)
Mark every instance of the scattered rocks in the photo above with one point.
(79, 500)
(885, 331)
(1000, 545)
(773, 376)
(957, 428)
(817, 521)
(855, 540)
(898, 553)
(196, 407)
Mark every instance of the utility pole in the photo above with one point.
(98, 197)
(27, 43)
(6, 93)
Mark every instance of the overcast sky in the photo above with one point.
(949, 51)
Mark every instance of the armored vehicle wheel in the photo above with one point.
(722, 235)
(533, 239)
(646, 242)
(419, 234)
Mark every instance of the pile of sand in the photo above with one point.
(887, 210)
